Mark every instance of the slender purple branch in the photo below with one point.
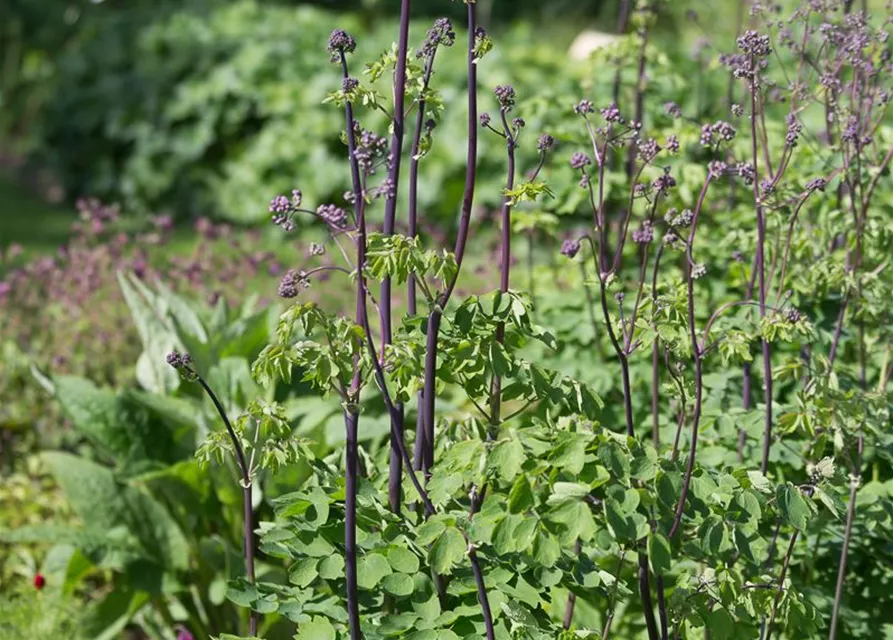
(434, 316)
(247, 514)
(505, 266)
(351, 414)
(395, 474)
(697, 356)
(760, 263)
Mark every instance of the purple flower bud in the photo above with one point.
(485, 119)
(663, 183)
(545, 143)
(333, 216)
(583, 107)
(611, 114)
(518, 123)
(349, 84)
(340, 42)
(505, 96)
(440, 34)
(280, 204)
(717, 168)
(673, 110)
(292, 282)
(579, 160)
(672, 144)
(816, 184)
(644, 234)
(570, 248)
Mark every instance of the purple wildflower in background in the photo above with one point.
(644, 234)
(579, 160)
(183, 633)
(545, 143)
(794, 129)
(663, 183)
(292, 282)
(649, 149)
(333, 215)
(746, 171)
(484, 119)
(672, 144)
(570, 248)
(673, 110)
(583, 107)
(717, 168)
(317, 249)
(385, 190)
(611, 113)
(518, 123)
(816, 184)
(280, 204)
(505, 96)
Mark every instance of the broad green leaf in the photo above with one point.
(448, 551)
(371, 569)
(659, 553)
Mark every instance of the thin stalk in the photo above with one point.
(855, 481)
(697, 354)
(780, 588)
(395, 474)
(434, 317)
(761, 272)
(661, 607)
(612, 603)
(645, 595)
(247, 515)
(505, 267)
(351, 413)
(571, 596)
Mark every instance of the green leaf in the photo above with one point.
(304, 572)
(318, 628)
(506, 459)
(521, 495)
(371, 569)
(403, 560)
(659, 553)
(793, 507)
(109, 507)
(331, 567)
(398, 584)
(447, 551)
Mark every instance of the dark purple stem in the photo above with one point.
(697, 356)
(245, 471)
(761, 272)
(434, 317)
(505, 267)
(395, 475)
(351, 414)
